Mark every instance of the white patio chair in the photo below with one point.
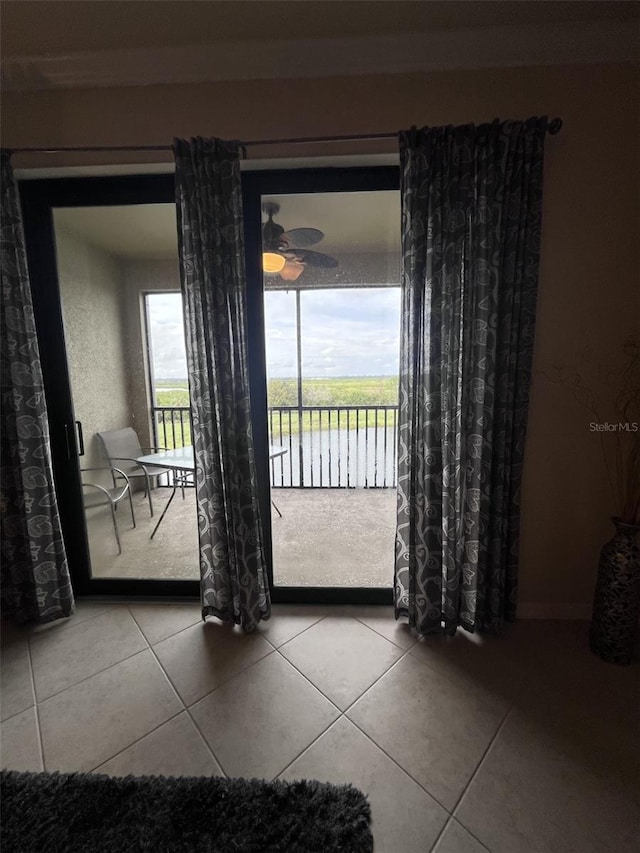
(95, 495)
(123, 446)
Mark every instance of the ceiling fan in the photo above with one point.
(286, 253)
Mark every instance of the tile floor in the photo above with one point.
(517, 744)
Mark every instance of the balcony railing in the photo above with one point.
(327, 446)
(172, 426)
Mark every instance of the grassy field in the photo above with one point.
(351, 391)
(336, 391)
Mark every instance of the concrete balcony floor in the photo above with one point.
(326, 537)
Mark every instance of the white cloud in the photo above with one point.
(345, 332)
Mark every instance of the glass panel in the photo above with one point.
(118, 274)
(281, 348)
(332, 330)
(168, 369)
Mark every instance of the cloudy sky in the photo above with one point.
(164, 312)
(349, 332)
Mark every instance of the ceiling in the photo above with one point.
(352, 222)
(365, 222)
(52, 28)
(144, 231)
(98, 44)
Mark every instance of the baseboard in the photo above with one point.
(541, 610)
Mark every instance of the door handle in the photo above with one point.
(80, 438)
(67, 440)
(75, 442)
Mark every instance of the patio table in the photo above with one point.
(180, 460)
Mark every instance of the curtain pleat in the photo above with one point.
(35, 575)
(471, 218)
(234, 584)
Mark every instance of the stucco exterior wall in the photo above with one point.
(92, 304)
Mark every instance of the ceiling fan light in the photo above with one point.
(292, 270)
(272, 262)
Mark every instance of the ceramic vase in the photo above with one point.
(616, 604)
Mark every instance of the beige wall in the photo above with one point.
(589, 293)
(91, 291)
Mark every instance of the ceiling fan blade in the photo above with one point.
(314, 259)
(303, 237)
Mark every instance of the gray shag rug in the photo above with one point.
(56, 812)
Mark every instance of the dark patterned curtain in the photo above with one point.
(471, 211)
(209, 205)
(35, 575)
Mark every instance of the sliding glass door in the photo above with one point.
(104, 265)
(323, 360)
(330, 282)
(126, 360)
(332, 368)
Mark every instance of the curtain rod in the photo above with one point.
(553, 127)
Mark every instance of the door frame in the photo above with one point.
(39, 198)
